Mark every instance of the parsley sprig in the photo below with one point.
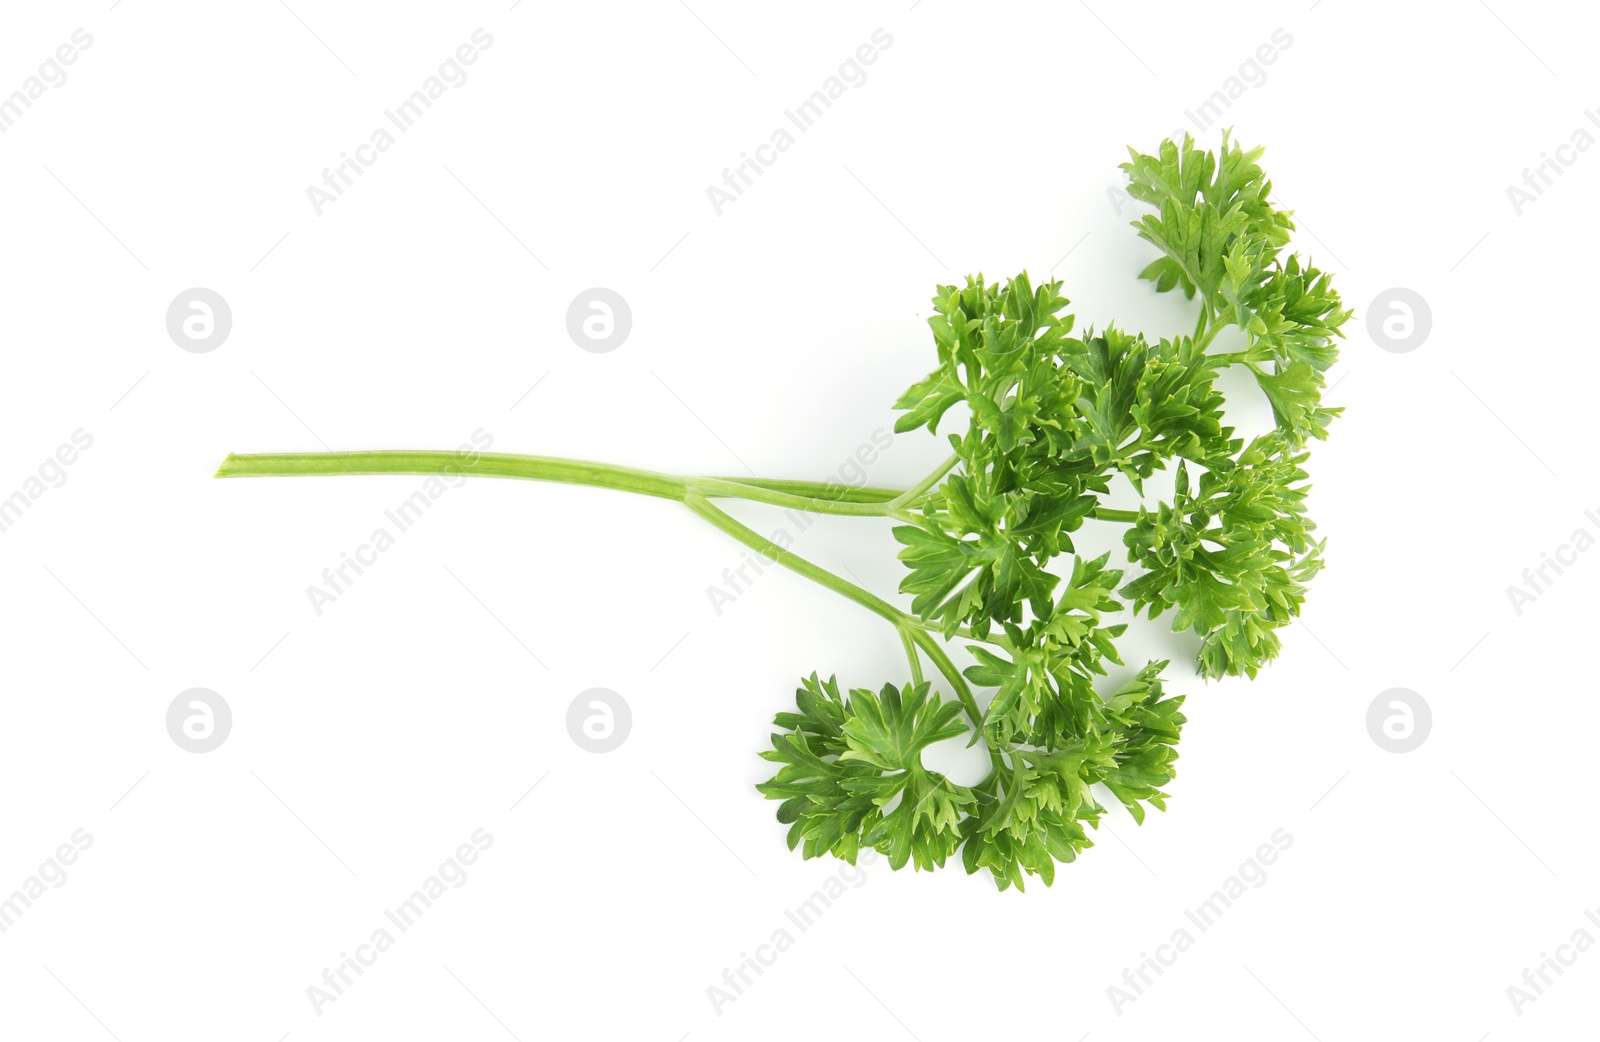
(1051, 420)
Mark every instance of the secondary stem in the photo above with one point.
(908, 626)
(911, 654)
(792, 561)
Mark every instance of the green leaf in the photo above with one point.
(1295, 393)
(889, 730)
(852, 774)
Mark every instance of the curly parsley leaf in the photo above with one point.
(1052, 420)
(853, 776)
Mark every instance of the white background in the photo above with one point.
(369, 742)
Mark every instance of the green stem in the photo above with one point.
(911, 654)
(816, 497)
(830, 491)
(907, 625)
(941, 660)
(492, 464)
(1108, 514)
(792, 561)
(724, 487)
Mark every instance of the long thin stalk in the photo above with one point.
(492, 464)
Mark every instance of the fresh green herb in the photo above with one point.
(1052, 421)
